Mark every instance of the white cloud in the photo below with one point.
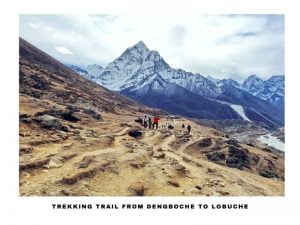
(63, 50)
(207, 44)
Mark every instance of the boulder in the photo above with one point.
(135, 133)
(180, 168)
(93, 114)
(63, 114)
(55, 162)
(86, 161)
(68, 115)
(49, 122)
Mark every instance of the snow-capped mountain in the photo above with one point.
(144, 76)
(253, 85)
(193, 82)
(94, 70)
(81, 71)
(231, 82)
(117, 72)
(155, 91)
(152, 82)
(77, 69)
(151, 64)
(271, 90)
(138, 62)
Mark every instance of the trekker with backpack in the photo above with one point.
(155, 122)
(145, 121)
(150, 122)
(189, 128)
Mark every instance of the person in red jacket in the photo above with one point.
(155, 122)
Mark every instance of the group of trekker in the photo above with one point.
(152, 122)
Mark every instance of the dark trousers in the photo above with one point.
(155, 124)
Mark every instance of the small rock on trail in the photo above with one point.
(173, 183)
(138, 189)
(160, 155)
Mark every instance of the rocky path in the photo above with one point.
(114, 163)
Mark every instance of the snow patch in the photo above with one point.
(272, 141)
(156, 85)
(240, 110)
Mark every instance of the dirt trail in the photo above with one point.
(155, 164)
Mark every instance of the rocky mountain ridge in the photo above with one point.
(138, 61)
(137, 65)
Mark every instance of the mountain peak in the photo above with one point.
(139, 50)
(94, 70)
(140, 45)
(94, 66)
(253, 80)
(253, 77)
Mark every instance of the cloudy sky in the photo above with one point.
(223, 46)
